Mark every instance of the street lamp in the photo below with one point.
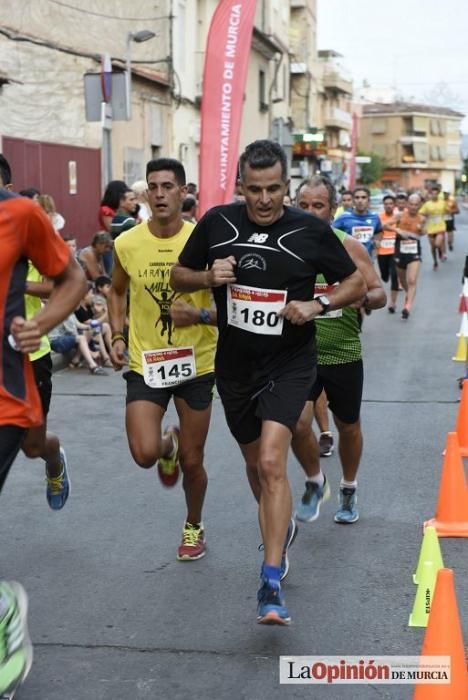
(139, 37)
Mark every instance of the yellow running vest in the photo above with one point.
(33, 305)
(148, 260)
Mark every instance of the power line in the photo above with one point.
(100, 14)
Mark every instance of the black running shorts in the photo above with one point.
(279, 398)
(42, 369)
(10, 443)
(343, 387)
(404, 259)
(387, 269)
(197, 393)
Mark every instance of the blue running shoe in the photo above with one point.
(308, 509)
(290, 537)
(271, 609)
(347, 512)
(58, 488)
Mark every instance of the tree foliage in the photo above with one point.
(371, 172)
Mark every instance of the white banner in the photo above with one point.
(363, 670)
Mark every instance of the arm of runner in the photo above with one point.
(69, 288)
(117, 310)
(42, 289)
(184, 314)
(185, 279)
(375, 297)
(350, 289)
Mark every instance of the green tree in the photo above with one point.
(371, 172)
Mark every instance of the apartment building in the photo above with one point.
(421, 144)
(321, 92)
(336, 114)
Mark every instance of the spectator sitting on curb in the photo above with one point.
(91, 257)
(91, 327)
(102, 285)
(100, 315)
(70, 240)
(64, 339)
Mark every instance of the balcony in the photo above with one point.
(408, 139)
(336, 118)
(332, 80)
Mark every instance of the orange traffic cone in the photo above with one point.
(462, 421)
(444, 638)
(451, 519)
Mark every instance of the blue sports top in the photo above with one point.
(362, 227)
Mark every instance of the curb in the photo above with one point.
(59, 361)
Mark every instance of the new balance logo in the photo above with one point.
(258, 238)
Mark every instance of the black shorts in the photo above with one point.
(280, 398)
(197, 393)
(387, 270)
(404, 259)
(343, 387)
(43, 375)
(450, 225)
(10, 443)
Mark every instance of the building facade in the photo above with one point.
(420, 144)
(65, 141)
(321, 107)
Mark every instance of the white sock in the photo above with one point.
(348, 484)
(318, 479)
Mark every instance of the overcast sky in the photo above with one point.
(412, 45)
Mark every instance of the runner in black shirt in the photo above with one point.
(261, 260)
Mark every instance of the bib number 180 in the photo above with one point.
(260, 318)
(255, 310)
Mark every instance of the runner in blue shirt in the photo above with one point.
(360, 222)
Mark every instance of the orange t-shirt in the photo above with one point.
(411, 224)
(387, 242)
(25, 233)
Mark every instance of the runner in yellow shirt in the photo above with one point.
(434, 211)
(171, 347)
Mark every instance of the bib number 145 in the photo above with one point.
(168, 367)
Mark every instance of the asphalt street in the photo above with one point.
(114, 616)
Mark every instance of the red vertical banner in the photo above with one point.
(225, 72)
(352, 165)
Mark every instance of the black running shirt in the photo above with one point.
(286, 255)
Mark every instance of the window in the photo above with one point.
(420, 126)
(407, 153)
(134, 164)
(262, 100)
(421, 152)
(156, 135)
(379, 126)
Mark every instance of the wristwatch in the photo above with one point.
(324, 302)
(205, 316)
